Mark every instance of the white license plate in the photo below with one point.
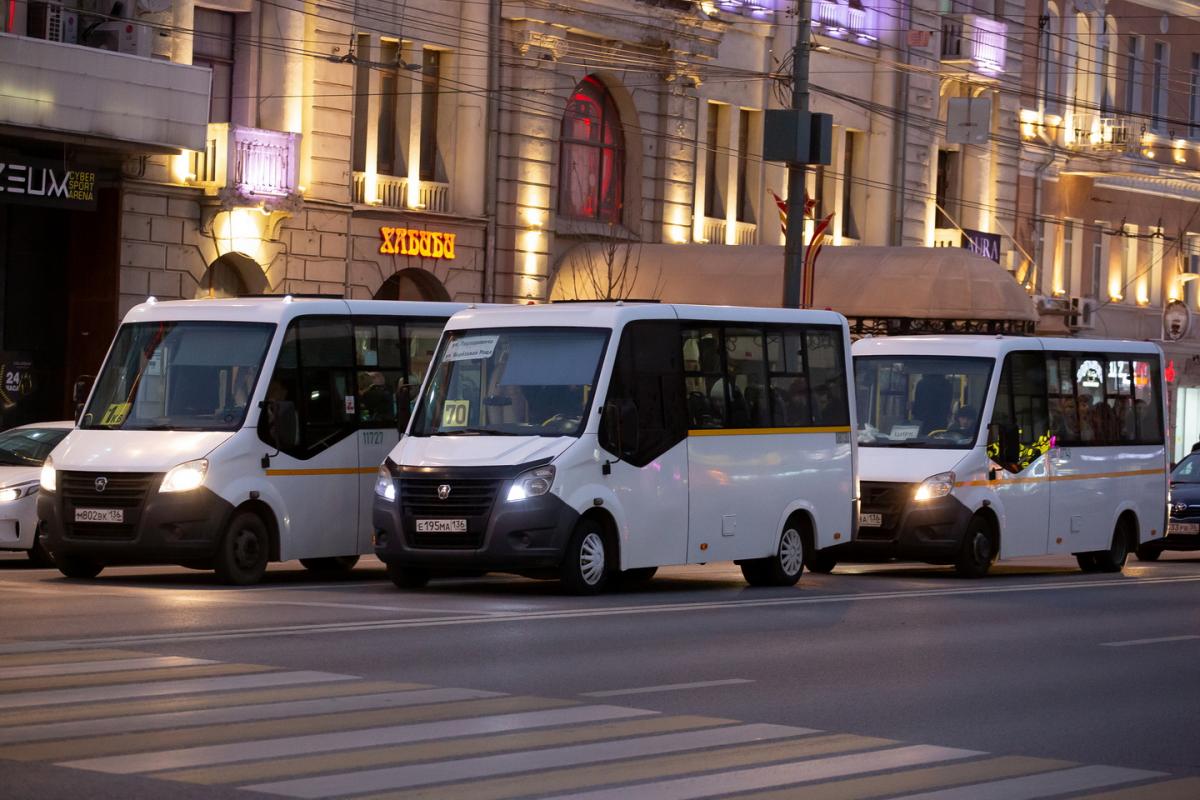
(870, 520)
(111, 515)
(1183, 527)
(441, 526)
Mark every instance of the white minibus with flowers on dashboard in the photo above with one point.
(223, 434)
(596, 442)
(974, 448)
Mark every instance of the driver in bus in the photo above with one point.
(963, 422)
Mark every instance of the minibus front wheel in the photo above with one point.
(330, 566)
(587, 564)
(242, 553)
(406, 576)
(78, 567)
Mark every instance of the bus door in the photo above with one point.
(315, 465)
(1023, 488)
(651, 478)
(391, 357)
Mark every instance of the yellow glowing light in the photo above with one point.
(371, 188)
(1053, 120)
(181, 167)
(1147, 152)
(240, 231)
(679, 234)
(1030, 115)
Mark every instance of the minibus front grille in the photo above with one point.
(889, 500)
(466, 497)
(103, 490)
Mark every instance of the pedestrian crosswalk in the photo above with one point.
(315, 734)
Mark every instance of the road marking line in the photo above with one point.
(578, 613)
(136, 723)
(191, 737)
(345, 687)
(639, 769)
(95, 667)
(1159, 640)
(1047, 784)
(437, 750)
(350, 740)
(666, 687)
(94, 693)
(779, 774)
(375, 780)
(1182, 789)
(64, 656)
(138, 676)
(911, 780)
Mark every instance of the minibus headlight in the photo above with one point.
(17, 492)
(385, 485)
(49, 479)
(935, 486)
(185, 477)
(534, 483)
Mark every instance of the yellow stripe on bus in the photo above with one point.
(764, 431)
(1088, 476)
(326, 471)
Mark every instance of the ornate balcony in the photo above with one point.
(843, 21)
(392, 192)
(975, 42)
(249, 166)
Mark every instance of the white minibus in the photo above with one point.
(221, 434)
(596, 442)
(975, 448)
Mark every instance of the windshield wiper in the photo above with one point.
(474, 432)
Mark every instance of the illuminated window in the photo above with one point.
(591, 177)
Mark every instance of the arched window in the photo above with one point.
(1050, 58)
(592, 170)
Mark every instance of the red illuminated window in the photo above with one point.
(592, 171)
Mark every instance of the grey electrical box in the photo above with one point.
(798, 137)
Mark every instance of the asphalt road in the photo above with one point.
(875, 681)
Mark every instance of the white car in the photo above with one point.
(22, 451)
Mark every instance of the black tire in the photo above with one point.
(978, 550)
(820, 562)
(638, 576)
(1113, 559)
(78, 567)
(587, 564)
(243, 551)
(330, 567)
(38, 555)
(782, 569)
(1086, 561)
(407, 577)
(1146, 552)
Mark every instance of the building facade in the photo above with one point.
(467, 150)
(1110, 125)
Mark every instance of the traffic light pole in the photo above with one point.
(793, 270)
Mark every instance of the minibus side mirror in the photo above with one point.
(1007, 440)
(405, 394)
(82, 388)
(278, 425)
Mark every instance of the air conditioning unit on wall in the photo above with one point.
(1082, 316)
(52, 22)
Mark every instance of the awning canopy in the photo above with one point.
(882, 289)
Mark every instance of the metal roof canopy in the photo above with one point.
(880, 290)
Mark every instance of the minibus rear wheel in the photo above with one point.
(782, 569)
(1148, 552)
(241, 557)
(1113, 559)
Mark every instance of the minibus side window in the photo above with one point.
(1089, 370)
(827, 377)
(314, 375)
(749, 403)
(649, 373)
(379, 358)
(791, 399)
(1147, 405)
(703, 377)
(1021, 401)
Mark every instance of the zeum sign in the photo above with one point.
(41, 183)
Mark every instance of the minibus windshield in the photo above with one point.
(194, 376)
(511, 382)
(920, 401)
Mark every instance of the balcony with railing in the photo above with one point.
(48, 82)
(975, 42)
(248, 166)
(392, 192)
(840, 20)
